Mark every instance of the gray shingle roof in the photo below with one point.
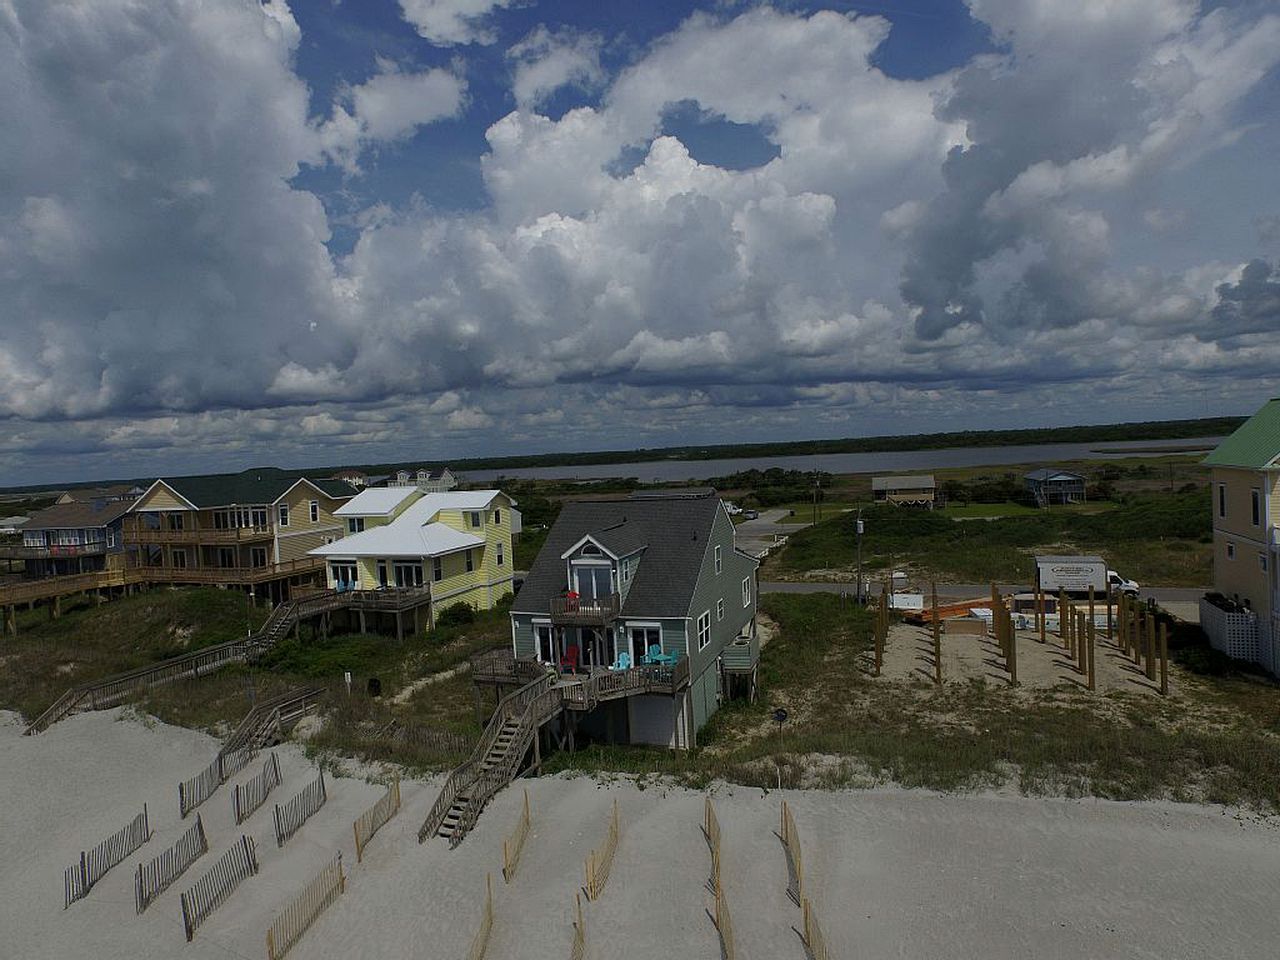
(77, 516)
(255, 486)
(673, 533)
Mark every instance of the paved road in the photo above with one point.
(968, 591)
(757, 536)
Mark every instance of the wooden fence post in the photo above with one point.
(1041, 614)
(1092, 647)
(1151, 646)
(937, 639)
(1164, 660)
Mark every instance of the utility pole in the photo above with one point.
(857, 526)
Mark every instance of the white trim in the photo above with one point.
(312, 485)
(719, 559)
(534, 624)
(585, 539)
(303, 533)
(747, 592)
(720, 610)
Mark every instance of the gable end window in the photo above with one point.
(746, 591)
(704, 629)
(284, 514)
(497, 516)
(1255, 506)
(471, 564)
(719, 561)
(315, 511)
(719, 609)
(1222, 500)
(498, 556)
(473, 518)
(437, 569)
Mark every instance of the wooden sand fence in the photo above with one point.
(795, 860)
(155, 877)
(193, 792)
(814, 941)
(290, 817)
(248, 798)
(600, 860)
(369, 822)
(578, 951)
(294, 920)
(79, 878)
(480, 942)
(720, 914)
(513, 845)
(212, 890)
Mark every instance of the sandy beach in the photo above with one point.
(891, 873)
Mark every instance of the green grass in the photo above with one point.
(92, 640)
(1154, 539)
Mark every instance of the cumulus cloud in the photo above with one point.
(953, 245)
(451, 22)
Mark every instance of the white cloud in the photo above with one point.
(546, 61)
(389, 106)
(450, 22)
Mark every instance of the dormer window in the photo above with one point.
(590, 550)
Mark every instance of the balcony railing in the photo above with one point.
(578, 611)
(23, 552)
(270, 571)
(199, 535)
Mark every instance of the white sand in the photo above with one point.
(892, 873)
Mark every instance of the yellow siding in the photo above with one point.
(161, 498)
(295, 545)
(1239, 519)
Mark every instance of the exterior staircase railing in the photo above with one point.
(113, 690)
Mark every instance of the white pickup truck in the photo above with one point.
(1119, 584)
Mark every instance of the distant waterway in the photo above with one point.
(898, 461)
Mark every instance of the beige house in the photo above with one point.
(1241, 616)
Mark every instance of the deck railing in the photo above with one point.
(197, 535)
(572, 611)
(14, 551)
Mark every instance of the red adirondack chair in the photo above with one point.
(569, 659)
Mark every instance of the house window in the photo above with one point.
(593, 581)
(382, 573)
(179, 559)
(704, 629)
(111, 537)
(498, 558)
(473, 518)
(1262, 562)
(746, 591)
(258, 515)
(355, 524)
(471, 564)
(643, 640)
(344, 574)
(175, 521)
(284, 514)
(437, 569)
(407, 574)
(497, 516)
(226, 557)
(1255, 506)
(258, 556)
(1222, 500)
(545, 641)
(1231, 551)
(315, 511)
(719, 609)
(719, 562)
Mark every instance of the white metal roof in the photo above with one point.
(914, 482)
(375, 502)
(414, 533)
(400, 540)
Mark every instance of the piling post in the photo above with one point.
(10, 621)
(1151, 646)
(1092, 635)
(1040, 613)
(1011, 656)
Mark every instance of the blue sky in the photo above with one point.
(237, 231)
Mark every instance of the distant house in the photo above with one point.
(456, 546)
(1241, 617)
(1050, 485)
(120, 491)
(919, 491)
(428, 480)
(72, 537)
(355, 478)
(620, 581)
(249, 528)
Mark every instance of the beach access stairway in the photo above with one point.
(114, 690)
(512, 731)
(268, 721)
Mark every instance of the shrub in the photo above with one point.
(456, 615)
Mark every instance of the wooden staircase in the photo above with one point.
(499, 755)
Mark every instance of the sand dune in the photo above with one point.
(892, 873)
